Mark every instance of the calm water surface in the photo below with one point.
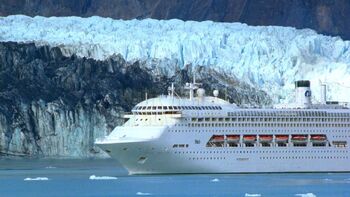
(108, 178)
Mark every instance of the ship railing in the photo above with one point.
(174, 114)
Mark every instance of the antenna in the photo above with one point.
(171, 90)
(192, 86)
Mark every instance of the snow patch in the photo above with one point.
(37, 179)
(143, 194)
(94, 177)
(252, 195)
(306, 195)
(267, 57)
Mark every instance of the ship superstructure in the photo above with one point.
(206, 134)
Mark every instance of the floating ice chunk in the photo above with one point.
(143, 194)
(214, 180)
(50, 167)
(37, 179)
(252, 195)
(327, 180)
(306, 195)
(94, 177)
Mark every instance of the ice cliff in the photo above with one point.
(268, 58)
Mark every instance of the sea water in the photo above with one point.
(20, 177)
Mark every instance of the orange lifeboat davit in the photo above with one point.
(232, 138)
(299, 138)
(249, 138)
(265, 138)
(217, 138)
(318, 138)
(281, 138)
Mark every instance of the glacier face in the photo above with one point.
(269, 58)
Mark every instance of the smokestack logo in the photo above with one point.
(307, 93)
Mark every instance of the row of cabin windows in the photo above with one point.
(180, 146)
(257, 131)
(270, 119)
(269, 124)
(262, 151)
(177, 108)
(307, 157)
(288, 114)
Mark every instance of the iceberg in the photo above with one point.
(270, 58)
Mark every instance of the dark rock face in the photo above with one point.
(52, 105)
(325, 16)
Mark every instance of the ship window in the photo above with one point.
(154, 108)
(144, 107)
(175, 108)
(170, 107)
(165, 107)
(149, 107)
(159, 107)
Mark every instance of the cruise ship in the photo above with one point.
(206, 134)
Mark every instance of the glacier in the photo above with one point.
(270, 58)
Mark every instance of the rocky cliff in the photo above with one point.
(325, 16)
(56, 106)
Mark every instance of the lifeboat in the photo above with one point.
(232, 138)
(299, 138)
(217, 138)
(249, 138)
(318, 138)
(281, 138)
(265, 138)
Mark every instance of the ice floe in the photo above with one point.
(94, 177)
(143, 194)
(252, 195)
(50, 167)
(36, 179)
(306, 195)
